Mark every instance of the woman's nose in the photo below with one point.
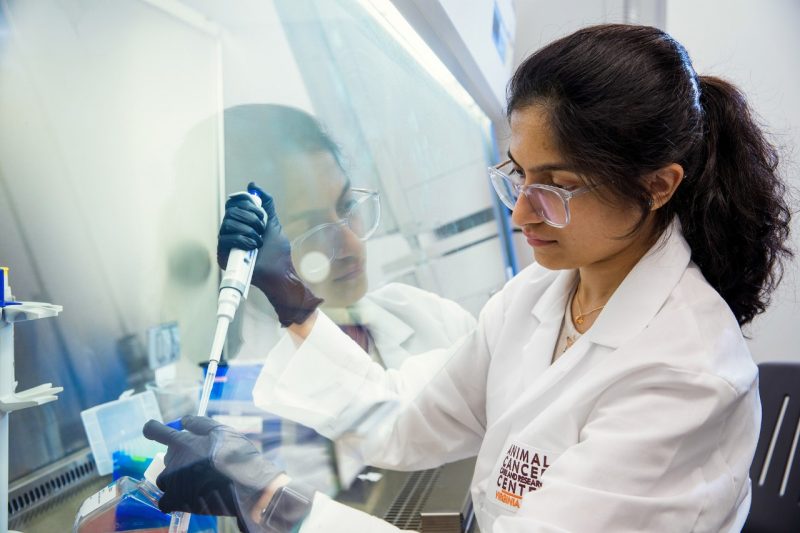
(524, 213)
(348, 243)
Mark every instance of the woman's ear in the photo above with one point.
(663, 183)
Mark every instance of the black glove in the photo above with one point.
(210, 469)
(243, 227)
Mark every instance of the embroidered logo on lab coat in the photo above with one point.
(519, 472)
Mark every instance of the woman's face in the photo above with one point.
(594, 235)
(317, 192)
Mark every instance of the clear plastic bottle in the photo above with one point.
(129, 504)
(124, 505)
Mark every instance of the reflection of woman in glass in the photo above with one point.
(328, 221)
(287, 150)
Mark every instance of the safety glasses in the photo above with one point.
(549, 202)
(361, 216)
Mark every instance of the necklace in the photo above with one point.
(579, 317)
(569, 342)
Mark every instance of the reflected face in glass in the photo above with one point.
(595, 234)
(327, 252)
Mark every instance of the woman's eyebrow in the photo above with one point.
(546, 167)
(345, 189)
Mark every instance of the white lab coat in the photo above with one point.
(648, 423)
(403, 321)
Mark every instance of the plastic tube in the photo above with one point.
(213, 362)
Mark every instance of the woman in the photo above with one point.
(608, 386)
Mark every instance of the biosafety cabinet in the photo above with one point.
(115, 163)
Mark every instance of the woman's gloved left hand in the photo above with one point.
(210, 469)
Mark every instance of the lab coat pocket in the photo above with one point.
(518, 471)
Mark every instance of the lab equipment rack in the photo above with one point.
(12, 312)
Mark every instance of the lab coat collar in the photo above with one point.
(553, 300)
(643, 291)
(638, 298)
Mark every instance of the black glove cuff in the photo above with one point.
(297, 302)
(287, 509)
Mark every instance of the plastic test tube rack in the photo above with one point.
(12, 312)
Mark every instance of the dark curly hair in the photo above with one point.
(624, 101)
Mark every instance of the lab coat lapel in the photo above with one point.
(533, 375)
(549, 311)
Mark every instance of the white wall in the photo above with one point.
(756, 45)
(542, 21)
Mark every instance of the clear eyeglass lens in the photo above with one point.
(323, 240)
(364, 216)
(546, 203)
(504, 188)
(362, 219)
(549, 205)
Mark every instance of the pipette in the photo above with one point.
(234, 286)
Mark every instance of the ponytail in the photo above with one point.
(732, 204)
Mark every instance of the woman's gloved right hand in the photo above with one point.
(243, 227)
